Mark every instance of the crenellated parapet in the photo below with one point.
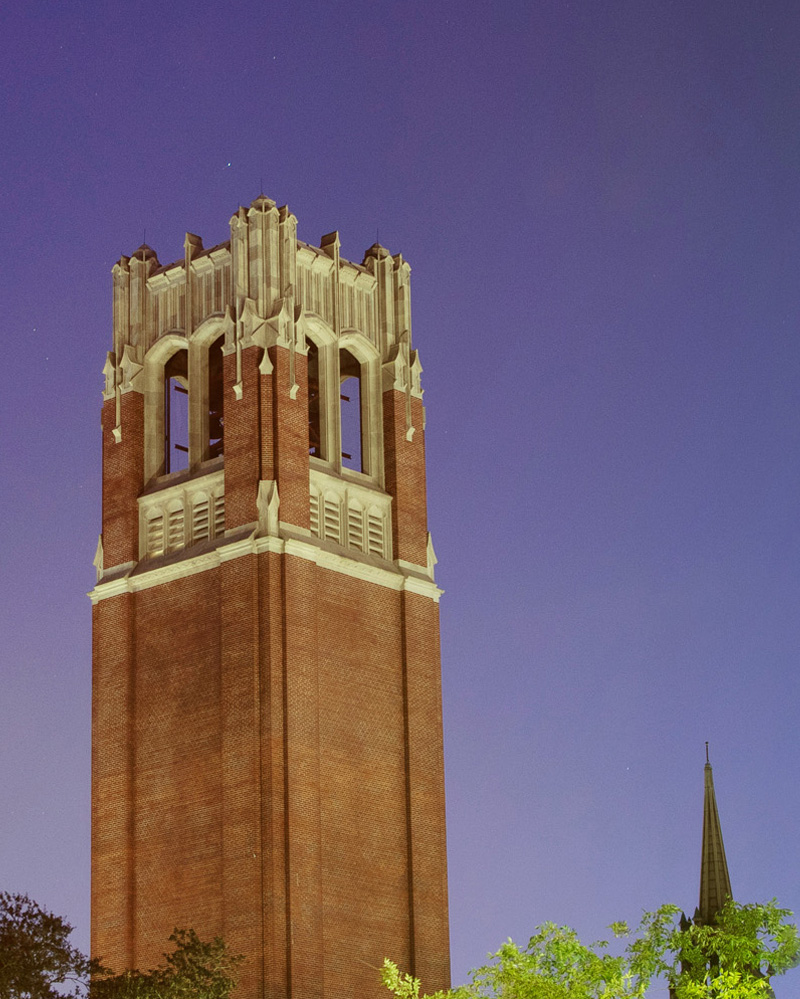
(265, 266)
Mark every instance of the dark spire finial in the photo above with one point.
(715, 882)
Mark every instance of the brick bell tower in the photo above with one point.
(267, 734)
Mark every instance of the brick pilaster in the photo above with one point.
(123, 479)
(304, 831)
(405, 477)
(274, 823)
(242, 447)
(240, 721)
(425, 791)
(113, 718)
(291, 435)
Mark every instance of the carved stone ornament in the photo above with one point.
(268, 503)
(301, 329)
(395, 370)
(253, 332)
(109, 374)
(229, 330)
(416, 375)
(253, 329)
(431, 556)
(130, 369)
(282, 322)
(98, 558)
(284, 332)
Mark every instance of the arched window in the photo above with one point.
(351, 422)
(176, 413)
(315, 447)
(216, 418)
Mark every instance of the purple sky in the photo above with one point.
(601, 206)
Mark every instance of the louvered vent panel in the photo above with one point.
(219, 516)
(200, 520)
(175, 529)
(155, 535)
(355, 527)
(375, 534)
(331, 525)
(314, 513)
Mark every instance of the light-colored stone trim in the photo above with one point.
(109, 376)
(263, 261)
(363, 512)
(98, 558)
(393, 579)
(182, 499)
(412, 569)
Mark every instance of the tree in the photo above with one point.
(194, 970)
(735, 956)
(37, 960)
(554, 965)
(731, 959)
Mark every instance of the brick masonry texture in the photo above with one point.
(281, 781)
(123, 481)
(242, 458)
(267, 736)
(405, 477)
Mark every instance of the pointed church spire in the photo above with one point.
(715, 882)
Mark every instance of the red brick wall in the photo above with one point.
(177, 759)
(290, 423)
(123, 478)
(112, 770)
(241, 765)
(364, 821)
(425, 777)
(405, 477)
(267, 754)
(242, 457)
(286, 775)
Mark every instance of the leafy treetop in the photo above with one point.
(731, 959)
(194, 970)
(37, 960)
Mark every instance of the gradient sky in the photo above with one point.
(600, 202)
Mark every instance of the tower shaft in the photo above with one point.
(267, 739)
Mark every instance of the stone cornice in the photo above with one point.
(246, 542)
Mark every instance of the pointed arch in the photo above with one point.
(361, 433)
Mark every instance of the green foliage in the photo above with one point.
(37, 962)
(554, 965)
(194, 970)
(36, 958)
(731, 959)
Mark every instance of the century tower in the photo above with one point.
(267, 736)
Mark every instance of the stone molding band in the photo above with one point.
(412, 579)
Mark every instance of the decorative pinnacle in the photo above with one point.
(378, 251)
(262, 203)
